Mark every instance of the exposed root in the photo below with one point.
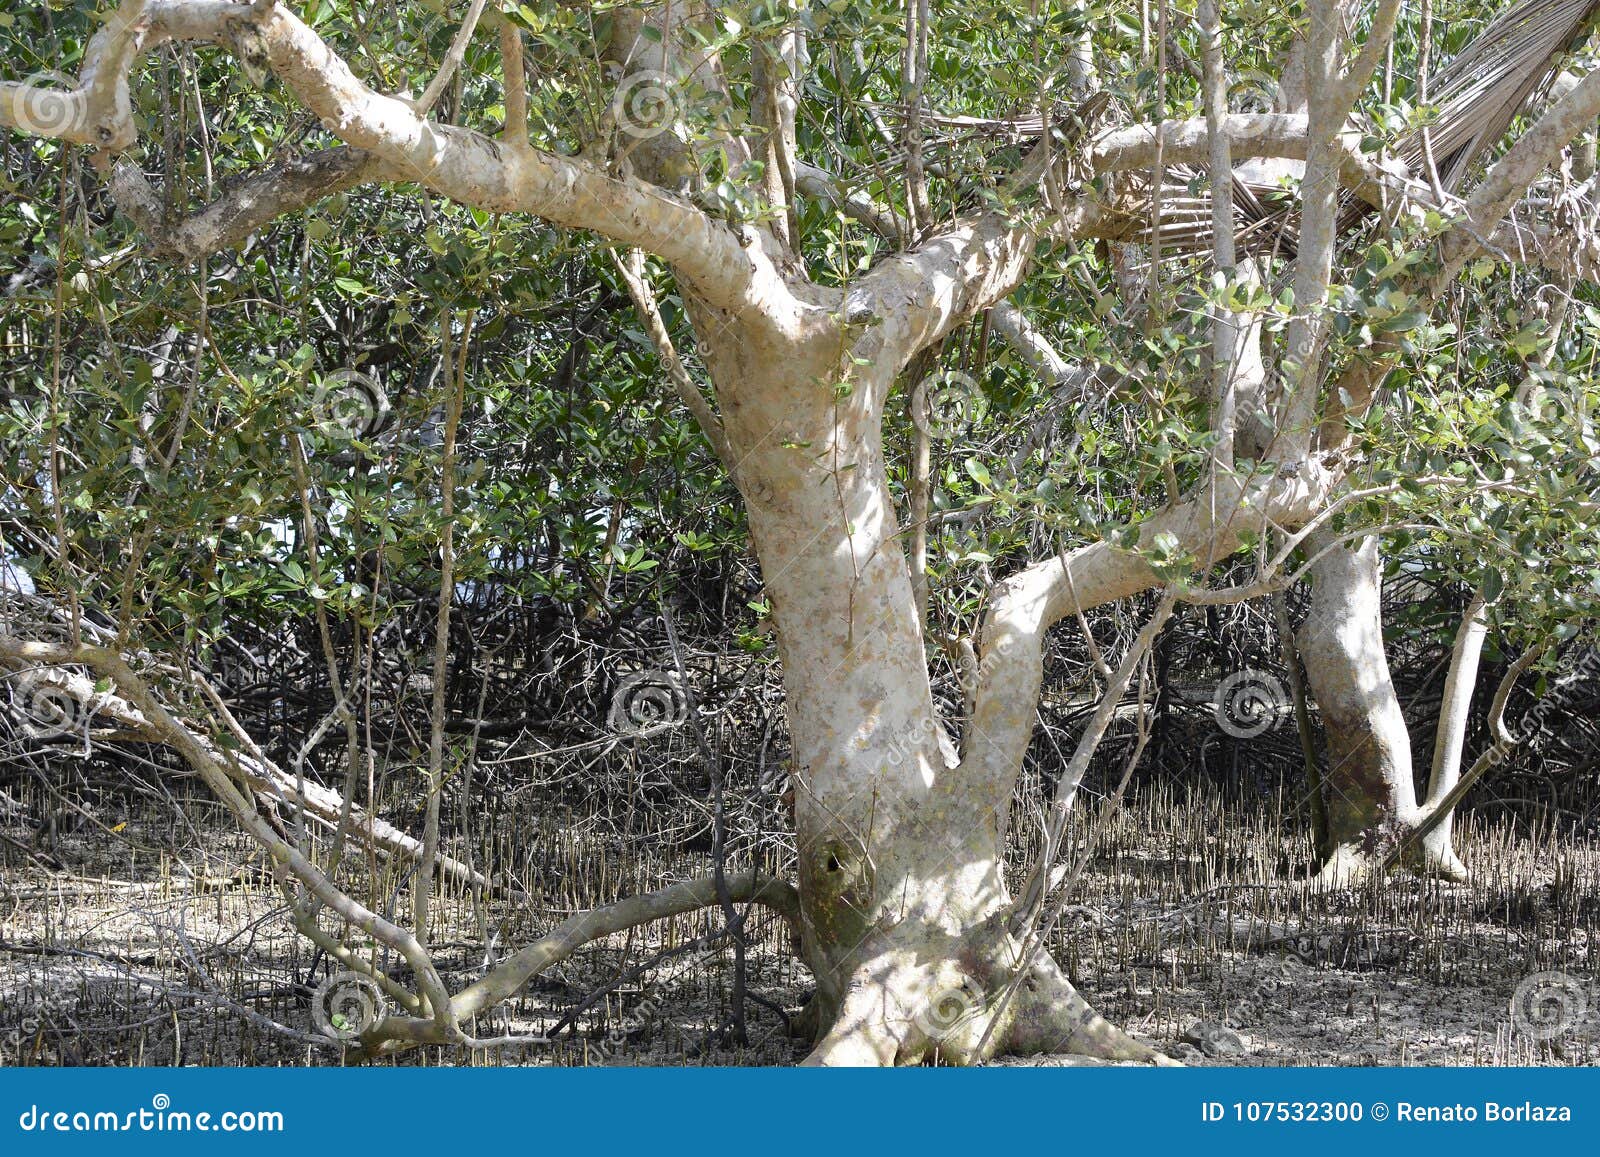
(807, 1023)
(1347, 867)
(1442, 863)
(918, 1013)
(506, 979)
(854, 1044)
(1351, 866)
(1053, 1017)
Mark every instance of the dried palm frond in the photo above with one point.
(1012, 130)
(1504, 70)
(1264, 220)
(1507, 67)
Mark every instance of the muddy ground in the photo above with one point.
(1190, 921)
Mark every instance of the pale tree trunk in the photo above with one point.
(905, 918)
(1368, 780)
(1371, 798)
(900, 850)
(1438, 852)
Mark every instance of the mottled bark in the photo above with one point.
(904, 915)
(1369, 781)
(902, 896)
(1370, 792)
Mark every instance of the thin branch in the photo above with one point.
(515, 131)
(452, 59)
(1493, 757)
(632, 270)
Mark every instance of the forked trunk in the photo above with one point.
(1371, 799)
(900, 877)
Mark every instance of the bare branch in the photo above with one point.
(515, 132)
(245, 207)
(1505, 741)
(644, 300)
(1207, 527)
(1453, 712)
(452, 59)
(567, 937)
(1224, 326)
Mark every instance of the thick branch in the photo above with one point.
(573, 933)
(925, 292)
(1480, 222)
(246, 207)
(458, 163)
(981, 259)
(1207, 527)
(1458, 687)
(1188, 141)
(1512, 175)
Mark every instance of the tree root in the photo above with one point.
(1444, 864)
(919, 1013)
(1053, 1017)
(395, 1033)
(1350, 866)
(858, 1039)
